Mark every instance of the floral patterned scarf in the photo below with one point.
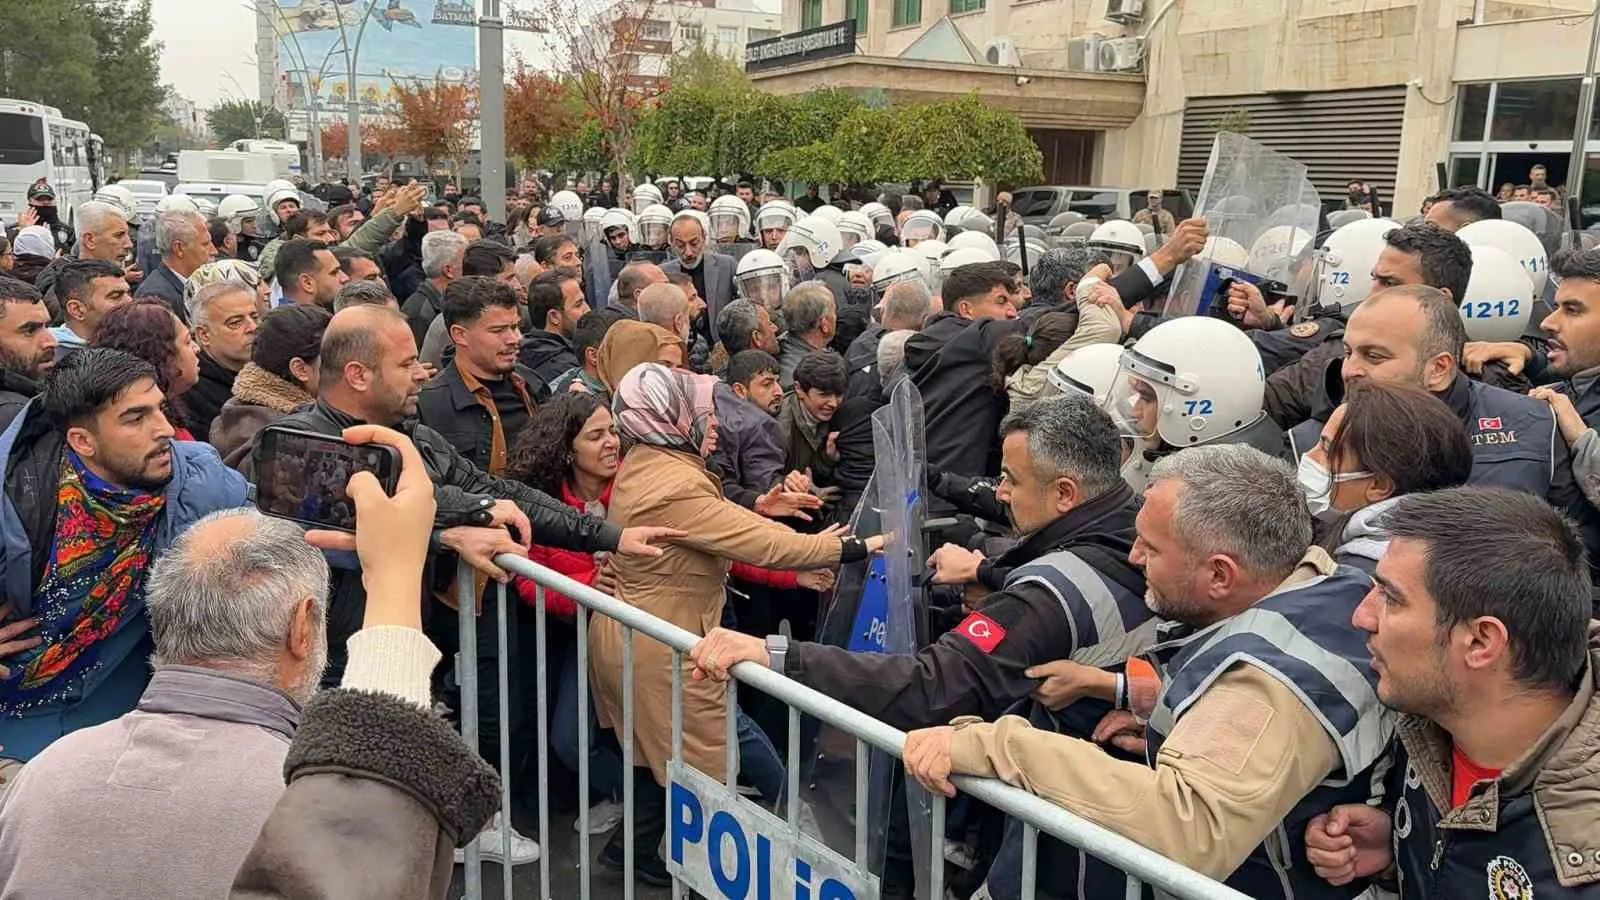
(664, 407)
(93, 584)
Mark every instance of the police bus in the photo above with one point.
(286, 155)
(38, 142)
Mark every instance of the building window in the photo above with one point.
(654, 30)
(690, 31)
(857, 10)
(727, 39)
(810, 14)
(965, 6)
(907, 12)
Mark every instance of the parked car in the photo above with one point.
(1038, 204)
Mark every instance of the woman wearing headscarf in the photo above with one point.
(629, 343)
(667, 415)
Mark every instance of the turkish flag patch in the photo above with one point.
(1489, 424)
(984, 632)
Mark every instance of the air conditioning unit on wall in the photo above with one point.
(1002, 52)
(1124, 11)
(1083, 54)
(1121, 54)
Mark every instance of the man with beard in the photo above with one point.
(1266, 713)
(236, 615)
(711, 272)
(555, 304)
(225, 323)
(93, 454)
(750, 456)
(27, 345)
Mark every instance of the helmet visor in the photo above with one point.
(726, 227)
(653, 234)
(773, 218)
(917, 230)
(764, 288)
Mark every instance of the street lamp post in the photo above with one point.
(492, 110)
(353, 164)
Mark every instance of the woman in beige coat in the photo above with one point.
(668, 416)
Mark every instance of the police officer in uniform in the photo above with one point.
(1069, 588)
(1494, 673)
(1266, 715)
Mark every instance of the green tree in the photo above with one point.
(93, 59)
(126, 108)
(584, 150)
(234, 120)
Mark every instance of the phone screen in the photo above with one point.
(302, 476)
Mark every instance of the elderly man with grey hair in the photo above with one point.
(905, 305)
(665, 306)
(171, 796)
(746, 325)
(443, 255)
(184, 241)
(364, 293)
(225, 322)
(1065, 587)
(103, 234)
(1265, 713)
(810, 318)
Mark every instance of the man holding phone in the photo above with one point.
(370, 374)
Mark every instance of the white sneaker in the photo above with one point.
(524, 850)
(603, 816)
(959, 854)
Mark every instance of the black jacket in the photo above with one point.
(448, 407)
(861, 362)
(420, 309)
(546, 355)
(853, 422)
(163, 283)
(15, 392)
(464, 494)
(954, 676)
(950, 361)
(203, 402)
(402, 259)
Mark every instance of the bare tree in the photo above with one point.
(616, 53)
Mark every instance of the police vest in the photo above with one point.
(1513, 439)
(1108, 622)
(1511, 855)
(1302, 637)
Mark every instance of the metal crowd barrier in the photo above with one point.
(1169, 878)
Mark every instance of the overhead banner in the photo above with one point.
(393, 41)
(838, 39)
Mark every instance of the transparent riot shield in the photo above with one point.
(878, 608)
(1261, 211)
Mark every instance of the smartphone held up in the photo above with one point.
(302, 476)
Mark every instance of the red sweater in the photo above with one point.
(580, 566)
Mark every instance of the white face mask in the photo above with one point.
(1317, 483)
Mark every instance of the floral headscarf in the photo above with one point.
(664, 407)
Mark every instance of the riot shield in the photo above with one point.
(1262, 213)
(878, 608)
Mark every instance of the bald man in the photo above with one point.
(667, 306)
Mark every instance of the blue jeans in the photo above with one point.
(759, 765)
(605, 757)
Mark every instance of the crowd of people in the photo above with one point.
(1297, 592)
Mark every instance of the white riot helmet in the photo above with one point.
(182, 202)
(815, 235)
(961, 256)
(120, 198)
(644, 197)
(571, 209)
(655, 223)
(976, 240)
(1089, 370)
(235, 208)
(1499, 298)
(930, 251)
(1119, 238)
(854, 227)
(591, 224)
(864, 248)
(829, 212)
(1225, 251)
(878, 214)
(615, 219)
(1346, 260)
(730, 219)
(922, 225)
(1515, 239)
(762, 278)
(1014, 251)
(957, 216)
(1188, 381)
(279, 191)
(1274, 252)
(895, 265)
(775, 215)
